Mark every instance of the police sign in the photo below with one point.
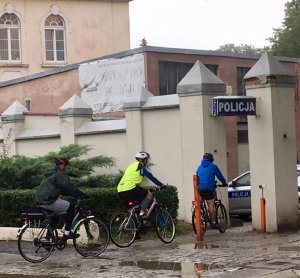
(233, 105)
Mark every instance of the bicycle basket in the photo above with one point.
(31, 213)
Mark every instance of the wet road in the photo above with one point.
(239, 252)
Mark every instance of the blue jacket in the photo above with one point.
(206, 172)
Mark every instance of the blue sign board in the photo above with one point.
(232, 106)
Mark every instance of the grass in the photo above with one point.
(183, 227)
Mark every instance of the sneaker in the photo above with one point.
(70, 236)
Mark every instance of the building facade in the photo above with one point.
(37, 35)
(163, 70)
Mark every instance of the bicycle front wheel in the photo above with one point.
(36, 242)
(221, 218)
(164, 226)
(122, 229)
(93, 239)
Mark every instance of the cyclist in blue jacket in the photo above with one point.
(206, 172)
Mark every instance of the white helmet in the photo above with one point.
(142, 155)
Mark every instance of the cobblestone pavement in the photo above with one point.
(239, 252)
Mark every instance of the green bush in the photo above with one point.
(103, 203)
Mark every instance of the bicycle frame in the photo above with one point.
(204, 208)
(75, 223)
(42, 235)
(154, 203)
(126, 226)
(221, 215)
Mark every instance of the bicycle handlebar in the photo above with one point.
(158, 188)
(222, 185)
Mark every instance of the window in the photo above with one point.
(171, 73)
(244, 180)
(241, 72)
(9, 37)
(55, 39)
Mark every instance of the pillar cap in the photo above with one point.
(200, 81)
(268, 70)
(75, 107)
(14, 113)
(136, 101)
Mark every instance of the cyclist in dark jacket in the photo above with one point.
(55, 183)
(206, 172)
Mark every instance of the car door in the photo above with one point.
(239, 195)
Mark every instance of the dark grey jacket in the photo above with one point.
(55, 183)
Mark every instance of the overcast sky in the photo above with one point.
(204, 24)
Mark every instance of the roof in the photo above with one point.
(139, 50)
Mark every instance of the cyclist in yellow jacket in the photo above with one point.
(129, 187)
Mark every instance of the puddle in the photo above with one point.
(183, 267)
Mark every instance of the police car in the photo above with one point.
(239, 194)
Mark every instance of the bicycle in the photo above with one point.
(37, 239)
(125, 225)
(221, 215)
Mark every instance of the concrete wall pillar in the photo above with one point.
(12, 124)
(272, 145)
(134, 122)
(200, 131)
(73, 114)
(134, 131)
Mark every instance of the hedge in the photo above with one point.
(103, 202)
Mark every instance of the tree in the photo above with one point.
(144, 42)
(21, 172)
(242, 49)
(286, 40)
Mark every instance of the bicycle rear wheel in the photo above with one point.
(93, 239)
(122, 229)
(221, 218)
(204, 224)
(36, 242)
(164, 226)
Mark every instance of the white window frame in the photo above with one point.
(8, 28)
(53, 27)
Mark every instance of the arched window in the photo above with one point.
(55, 38)
(10, 30)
